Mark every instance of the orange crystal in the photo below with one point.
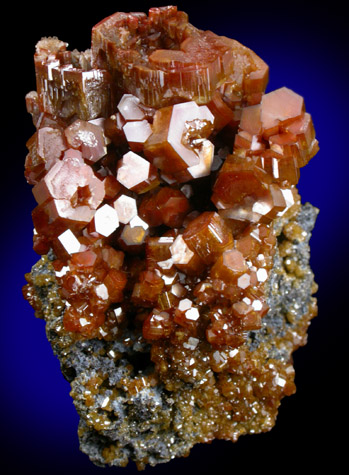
(192, 65)
(208, 236)
(159, 167)
(112, 171)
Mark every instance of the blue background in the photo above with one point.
(306, 48)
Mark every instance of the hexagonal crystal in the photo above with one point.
(126, 208)
(135, 232)
(133, 171)
(137, 132)
(69, 242)
(129, 108)
(106, 220)
(181, 254)
(244, 281)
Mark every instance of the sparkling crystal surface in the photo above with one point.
(165, 179)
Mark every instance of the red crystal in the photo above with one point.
(159, 167)
(191, 67)
(208, 235)
(120, 130)
(137, 174)
(66, 84)
(147, 291)
(167, 206)
(158, 325)
(87, 137)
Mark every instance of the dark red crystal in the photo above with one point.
(154, 105)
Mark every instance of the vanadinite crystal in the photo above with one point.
(174, 276)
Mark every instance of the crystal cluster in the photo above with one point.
(164, 177)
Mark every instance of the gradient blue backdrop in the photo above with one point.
(306, 48)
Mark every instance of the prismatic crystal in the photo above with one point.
(174, 277)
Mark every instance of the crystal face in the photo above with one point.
(174, 276)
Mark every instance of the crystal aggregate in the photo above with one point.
(159, 166)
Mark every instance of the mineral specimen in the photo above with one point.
(174, 276)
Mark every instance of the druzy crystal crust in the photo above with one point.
(174, 279)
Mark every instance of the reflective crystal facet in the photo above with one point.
(169, 222)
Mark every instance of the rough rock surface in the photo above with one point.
(175, 279)
(154, 424)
